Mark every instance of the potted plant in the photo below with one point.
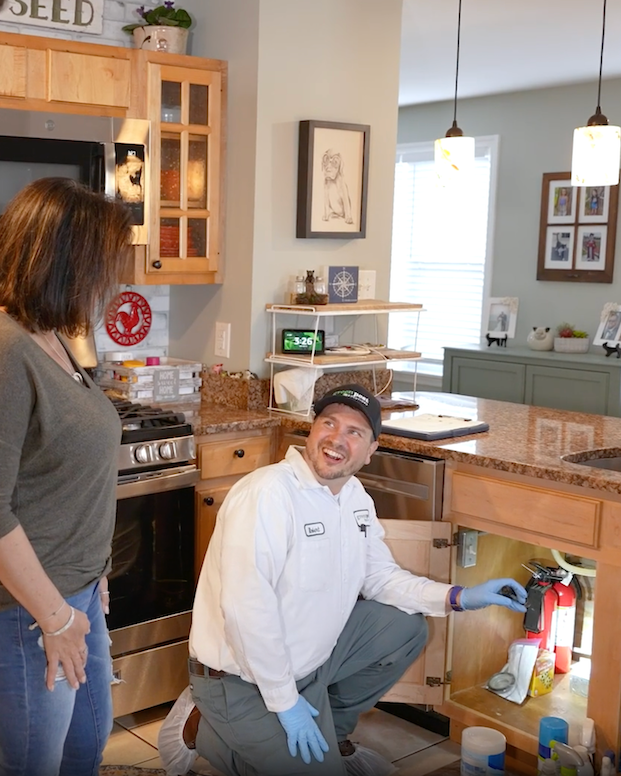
(164, 28)
(570, 340)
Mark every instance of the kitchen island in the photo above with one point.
(511, 485)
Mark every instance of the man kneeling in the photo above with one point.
(302, 619)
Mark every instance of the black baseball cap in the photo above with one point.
(357, 397)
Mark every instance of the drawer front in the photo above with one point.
(87, 79)
(554, 515)
(568, 389)
(12, 71)
(239, 456)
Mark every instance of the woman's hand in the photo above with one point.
(104, 595)
(68, 649)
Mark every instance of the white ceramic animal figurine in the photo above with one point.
(540, 338)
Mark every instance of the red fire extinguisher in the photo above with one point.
(565, 622)
(540, 617)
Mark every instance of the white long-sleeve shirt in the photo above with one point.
(283, 571)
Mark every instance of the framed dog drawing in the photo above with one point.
(333, 172)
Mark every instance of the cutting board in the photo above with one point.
(431, 427)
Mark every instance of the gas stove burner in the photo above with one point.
(143, 416)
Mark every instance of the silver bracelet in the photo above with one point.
(35, 624)
(65, 627)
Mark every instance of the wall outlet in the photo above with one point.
(223, 340)
(467, 541)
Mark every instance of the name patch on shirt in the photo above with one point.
(362, 517)
(314, 529)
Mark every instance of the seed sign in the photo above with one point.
(69, 15)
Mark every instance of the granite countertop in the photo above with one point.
(521, 439)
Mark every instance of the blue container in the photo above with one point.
(551, 729)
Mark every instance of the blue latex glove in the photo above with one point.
(488, 593)
(302, 731)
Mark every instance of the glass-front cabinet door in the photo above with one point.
(186, 108)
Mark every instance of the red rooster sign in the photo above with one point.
(128, 318)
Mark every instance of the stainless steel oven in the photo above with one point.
(152, 580)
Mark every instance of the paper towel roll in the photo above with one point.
(293, 388)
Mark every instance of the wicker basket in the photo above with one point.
(572, 344)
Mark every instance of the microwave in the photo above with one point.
(110, 155)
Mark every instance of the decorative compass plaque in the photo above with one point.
(342, 284)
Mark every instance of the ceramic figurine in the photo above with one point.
(540, 338)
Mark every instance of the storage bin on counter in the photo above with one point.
(174, 380)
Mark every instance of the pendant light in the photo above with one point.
(454, 154)
(597, 147)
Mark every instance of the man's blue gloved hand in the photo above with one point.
(488, 593)
(302, 731)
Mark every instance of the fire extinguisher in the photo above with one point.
(568, 592)
(540, 617)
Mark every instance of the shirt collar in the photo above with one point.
(304, 474)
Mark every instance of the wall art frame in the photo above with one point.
(577, 230)
(500, 316)
(333, 175)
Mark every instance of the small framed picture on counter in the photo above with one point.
(501, 316)
(577, 230)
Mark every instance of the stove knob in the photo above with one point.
(141, 454)
(167, 451)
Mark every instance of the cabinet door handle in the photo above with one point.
(157, 264)
(208, 501)
(239, 453)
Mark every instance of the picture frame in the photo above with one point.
(501, 316)
(333, 174)
(609, 329)
(577, 230)
(342, 284)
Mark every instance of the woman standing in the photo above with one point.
(62, 251)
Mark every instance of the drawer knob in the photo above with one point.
(157, 264)
(208, 500)
(239, 453)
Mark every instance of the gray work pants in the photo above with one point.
(240, 737)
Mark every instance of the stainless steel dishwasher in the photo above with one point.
(404, 486)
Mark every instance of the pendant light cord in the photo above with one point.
(601, 60)
(457, 62)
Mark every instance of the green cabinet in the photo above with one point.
(583, 382)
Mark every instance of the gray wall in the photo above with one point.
(288, 64)
(536, 130)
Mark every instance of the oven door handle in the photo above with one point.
(158, 482)
(409, 489)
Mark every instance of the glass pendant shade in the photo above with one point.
(453, 158)
(596, 155)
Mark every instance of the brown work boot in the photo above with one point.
(190, 729)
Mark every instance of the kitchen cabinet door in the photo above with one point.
(568, 389)
(208, 502)
(88, 80)
(492, 379)
(12, 71)
(413, 545)
(185, 108)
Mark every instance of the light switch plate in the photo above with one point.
(223, 340)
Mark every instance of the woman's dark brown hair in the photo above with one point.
(63, 249)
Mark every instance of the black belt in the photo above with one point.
(198, 669)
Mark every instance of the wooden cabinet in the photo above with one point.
(584, 383)
(185, 108)
(87, 79)
(222, 460)
(521, 518)
(43, 74)
(182, 96)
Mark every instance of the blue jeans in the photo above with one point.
(59, 733)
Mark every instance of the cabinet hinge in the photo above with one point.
(441, 544)
(436, 681)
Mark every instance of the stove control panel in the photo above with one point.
(134, 457)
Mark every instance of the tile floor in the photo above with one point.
(413, 750)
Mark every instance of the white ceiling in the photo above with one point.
(505, 46)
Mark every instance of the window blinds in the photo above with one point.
(439, 253)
